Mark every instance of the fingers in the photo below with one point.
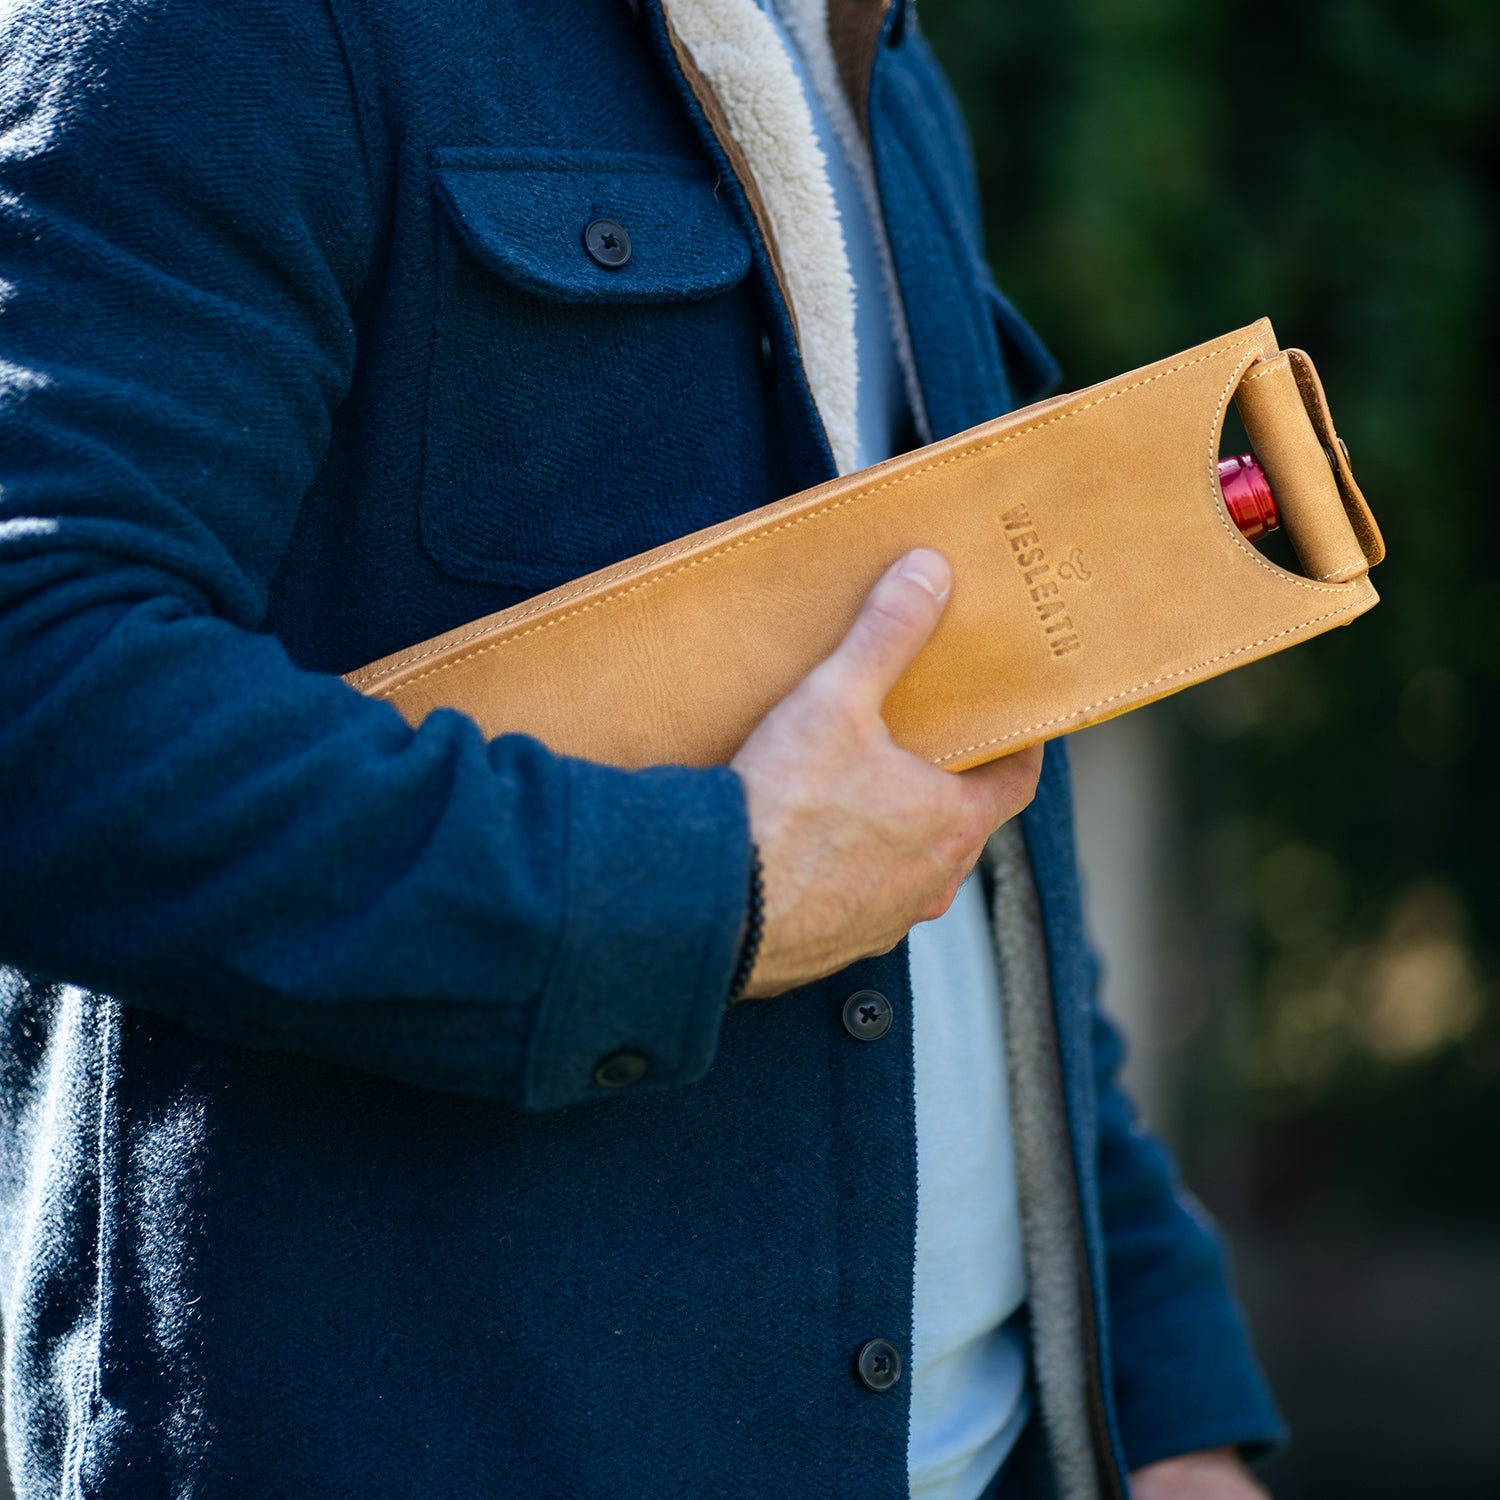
(895, 622)
(1000, 789)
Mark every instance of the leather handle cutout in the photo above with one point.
(1290, 450)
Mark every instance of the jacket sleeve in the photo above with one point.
(188, 214)
(1184, 1374)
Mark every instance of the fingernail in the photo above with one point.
(928, 569)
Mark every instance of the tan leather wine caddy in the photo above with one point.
(1096, 569)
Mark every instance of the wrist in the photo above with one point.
(1210, 1474)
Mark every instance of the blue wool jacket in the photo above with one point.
(306, 1183)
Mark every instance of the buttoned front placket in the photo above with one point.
(868, 1027)
(958, 377)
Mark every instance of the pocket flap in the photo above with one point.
(523, 215)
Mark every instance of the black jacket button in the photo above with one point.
(607, 242)
(879, 1365)
(867, 1015)
(620, 1069)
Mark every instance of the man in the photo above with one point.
(375, 1123)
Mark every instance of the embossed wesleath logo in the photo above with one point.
(1074, 567)
(1042, 588)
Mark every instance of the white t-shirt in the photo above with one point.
(969, 1397)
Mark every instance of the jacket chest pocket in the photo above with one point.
(593, 366)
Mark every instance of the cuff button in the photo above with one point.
(620, 1069)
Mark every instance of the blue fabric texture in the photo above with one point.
(306, 1182)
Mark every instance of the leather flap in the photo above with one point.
(523, 215)
(1296, 459)
(1372, 544)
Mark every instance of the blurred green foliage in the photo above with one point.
(1156, 172)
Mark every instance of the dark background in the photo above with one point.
(1326, 1043)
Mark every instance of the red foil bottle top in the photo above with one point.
(1248, 496)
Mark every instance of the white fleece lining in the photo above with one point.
(736, 48)
(807, 20)
(1049, 1231)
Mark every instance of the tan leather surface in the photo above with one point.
(1096, 569)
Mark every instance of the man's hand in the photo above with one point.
(858, 839)
(1215, 1474)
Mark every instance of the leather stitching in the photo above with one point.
(1272, 366)
(1089, 708)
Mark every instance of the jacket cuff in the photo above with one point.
(658, 876)
(1191, 1386)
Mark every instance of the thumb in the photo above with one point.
(895, 622)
